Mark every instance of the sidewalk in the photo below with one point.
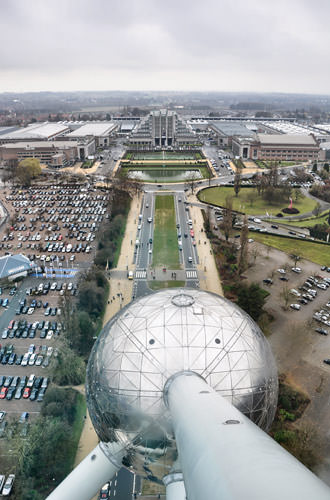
(207, 271)
(123, 286)
(88, 439)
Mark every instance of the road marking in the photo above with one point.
(191, 274)
(140, 274)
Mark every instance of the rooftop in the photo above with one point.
(95, 129)
(232, 128)
(39, 144)
(299, 140)
(13, 264)
(36, 131)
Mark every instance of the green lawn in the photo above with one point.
(256, 206)
(165, 250)
(305, 223)
(77, 428)
(315, 252)
(159, 285)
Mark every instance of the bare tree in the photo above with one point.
(295, 258)
(237, 180)
(227, 223)
(255, 253)
(285, 296)
(243, 251)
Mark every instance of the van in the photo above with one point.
(130, 275)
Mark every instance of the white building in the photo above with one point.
(100, 131)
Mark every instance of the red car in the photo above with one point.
(27, 392)
(11, 324)
(3, 392)
(192, 234)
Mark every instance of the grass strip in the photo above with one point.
(165, 251)
(309, 250)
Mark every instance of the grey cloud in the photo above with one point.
(218, 44)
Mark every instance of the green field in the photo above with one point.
(165, 246)
(315, 252)
(304, 223)
(258, 206)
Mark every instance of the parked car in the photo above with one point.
(296, 307)
(6, 491)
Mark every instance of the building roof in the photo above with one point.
(299, 140)
(6, 130)
(36, 131)
(14, 264)
(39, 144)
(95, 129)
(232, 128)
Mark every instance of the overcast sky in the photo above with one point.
(236, 45)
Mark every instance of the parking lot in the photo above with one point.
(30, 327)
(53, 225)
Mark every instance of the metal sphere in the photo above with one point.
(157, 336)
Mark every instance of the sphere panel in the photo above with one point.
(160, 335)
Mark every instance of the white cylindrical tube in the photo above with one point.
(175, 489)
(89, 476)
(225, 456)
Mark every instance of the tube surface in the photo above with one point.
(224, 456)
(89, 476)
(175, 489)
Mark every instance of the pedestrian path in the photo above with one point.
(56, 273)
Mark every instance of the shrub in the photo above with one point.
(290, 210)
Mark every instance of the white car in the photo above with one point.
(8, 485)
(32, 359)
(296, 307)
(189, 259)
(30, 310)
(49, 334)
(50, 351)
(149, 219)
(139, 227)
(295, 292)
(296, 269)
(281, 271)
(25, 359)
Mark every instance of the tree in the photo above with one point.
(295, 258)
(314, 169)
(28, 169)
(326, 167)
(237, 180)
(243, 251)
(252, 299)
(297, 194)
(227, 223)
(251, 196)
(68, 368)
(317, 209)
(285, 296)
(191, 183)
